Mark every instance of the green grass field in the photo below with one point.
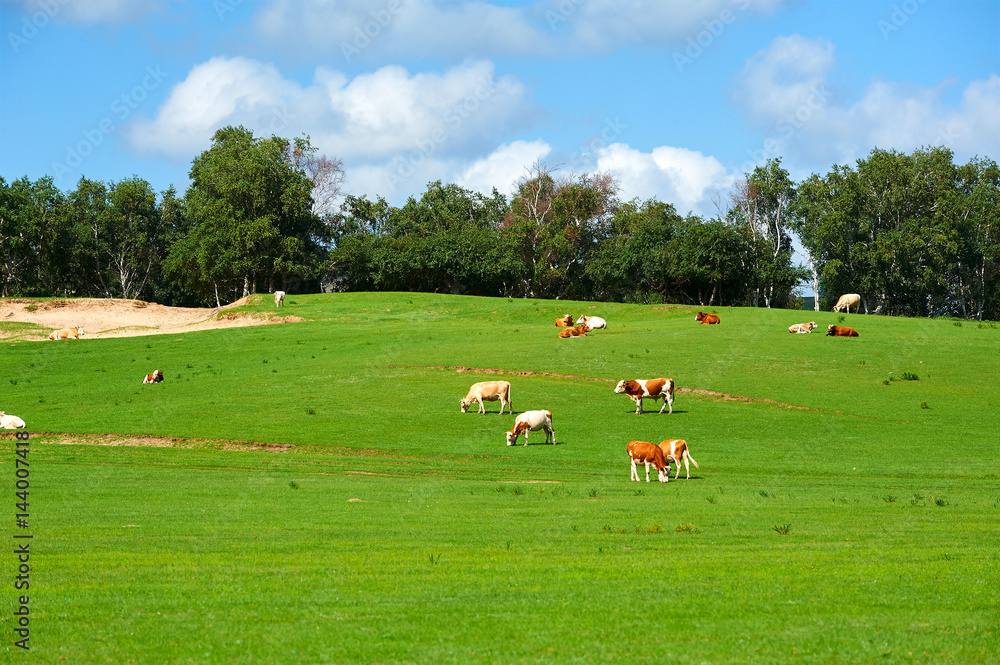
(861, 527)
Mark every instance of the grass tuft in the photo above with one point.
(783, 529)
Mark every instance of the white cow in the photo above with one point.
(531, 421)
(593, 322)
(67, 333)
(490, 391)
(279, 298)
(13, 422)
(847, 301)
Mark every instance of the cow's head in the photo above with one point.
(510, 437)
(465, 404)
(812, 325)
(620, 388)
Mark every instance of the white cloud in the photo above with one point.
(785, 91)
(464, 110)
(686, 178)
(503, 167)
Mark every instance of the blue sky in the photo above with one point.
(677, 99)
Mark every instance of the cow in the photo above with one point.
(10, 422)
(847, 301)
(677, 450)
(799, 328)
(531, 421)
(564, 322)
(841, 331)
(639, 389)
(644, 452)
(593, 322)
(578, 331)
(155, 377)
(279, 298)
(490, 391)
(706, 319)
(67, 333)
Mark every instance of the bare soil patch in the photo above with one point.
(146, 441)
(103, 317)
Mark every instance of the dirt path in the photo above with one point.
(124, 318)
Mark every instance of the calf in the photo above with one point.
(841, 331)
(639, 389)
(10, 422)
(155, 377)
(644, 452)
(799, 328)
(564, 322)
(490, 391)
(279, 298)
(677, 450)
(706, 319)
(593, 322)
(67, 333)
(531, 421)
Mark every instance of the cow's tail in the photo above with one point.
(687, 453)
(671, 390)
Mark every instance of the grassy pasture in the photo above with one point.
(862, 526)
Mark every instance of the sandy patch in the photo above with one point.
(145, 441)
(100, 317)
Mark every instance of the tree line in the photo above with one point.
(914, 234)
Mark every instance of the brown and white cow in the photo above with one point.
(155, 377)
(841, 331)
(639, 389)
(677, 450)
(531, 421)
(67, 333)
(706, 319)
(847, 301)
(489, 391)
(644, 452)
(577, 331)
(564, 322)
(799, 328)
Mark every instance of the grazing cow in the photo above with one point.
(841, 331)
(677, 450)
(564, 322)
(592, 322)
(279, 298)
(802, 327)
(644, 452)
(10, 422)
(155, 377)
(706, 319)
(490, 391)
(639, 389)
(67, 333)
(531, 421)
(847, 301)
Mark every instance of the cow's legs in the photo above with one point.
(635, 473)
(526, 432)
(647, 471)
(482, 407)
(638, 405)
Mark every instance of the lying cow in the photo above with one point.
(847, 301)
(490, 391)
(677, 450)
(564, 322)
(841, 331)
(640, 389)
(155, 377)
(10, 422)
(67, 333)
(644, 452)
(578, 331)
(531, 421)
(592, 322)
(706, 319)
(799, 328)
(279, 298)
